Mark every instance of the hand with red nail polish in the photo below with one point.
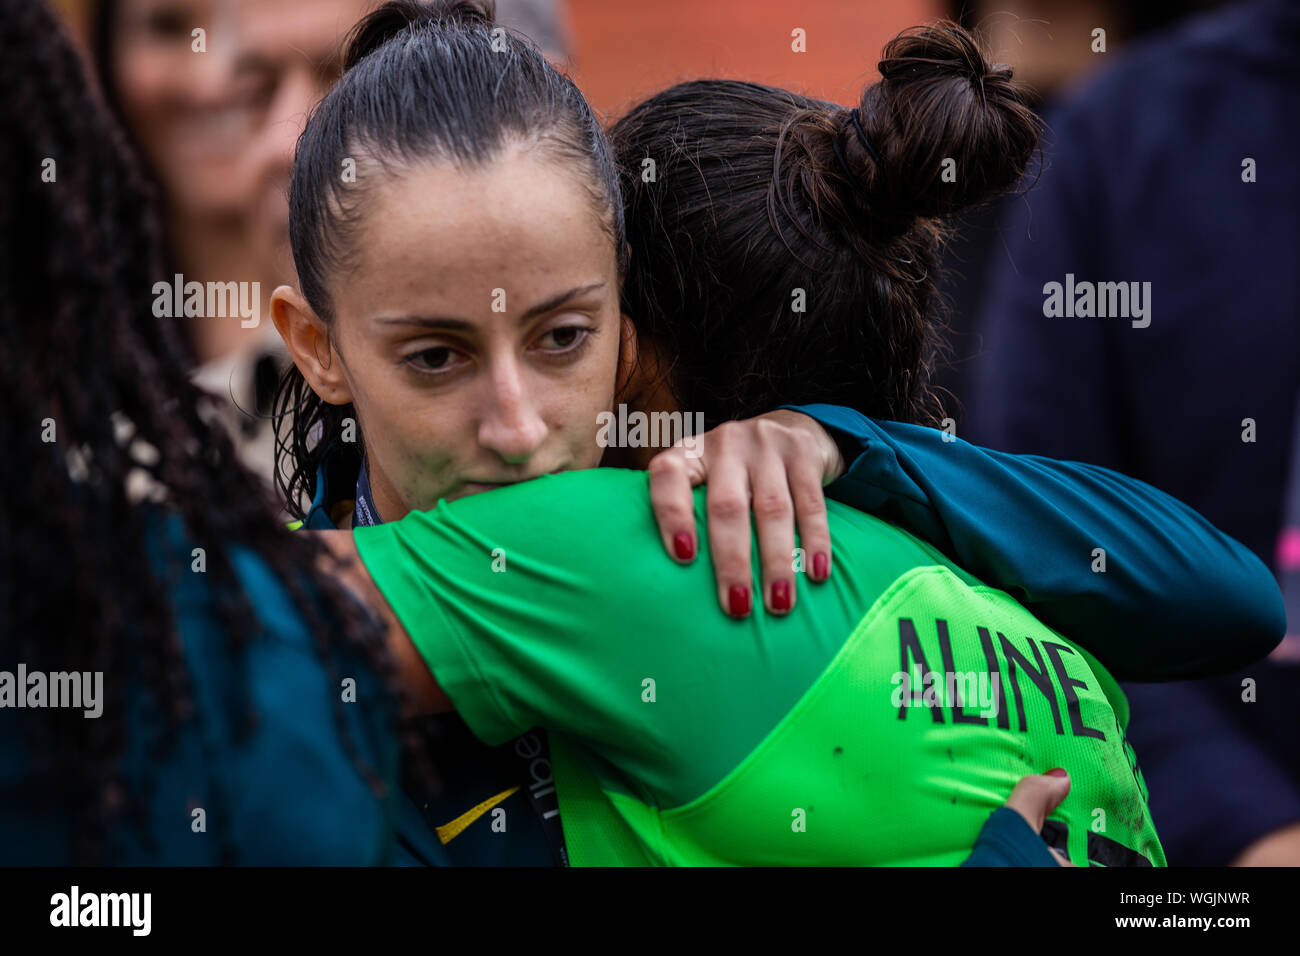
(768, 470)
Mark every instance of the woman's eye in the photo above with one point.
(431, 360)
(168, 22)
(563, 338)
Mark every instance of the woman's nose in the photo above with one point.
(512, 425)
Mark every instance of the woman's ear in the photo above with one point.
(307, 338)
(626, 382)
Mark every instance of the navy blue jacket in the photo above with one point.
(290, 792)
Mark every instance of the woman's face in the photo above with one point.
(190, 112)
(479, 334)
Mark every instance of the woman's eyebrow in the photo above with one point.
(555, 301)
(464, 325)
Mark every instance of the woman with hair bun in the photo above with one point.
(764, 198)
(759, 192)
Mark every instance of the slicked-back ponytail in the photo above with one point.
(422, 82)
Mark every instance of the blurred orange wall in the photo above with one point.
(624, 50)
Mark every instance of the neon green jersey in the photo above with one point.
(680, 736)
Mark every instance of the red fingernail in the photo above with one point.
(1057, 772)
(821, 565)
(780, 595)
(738, 600)
(683, 546)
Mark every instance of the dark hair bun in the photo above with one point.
(951, 131)
(386, 22)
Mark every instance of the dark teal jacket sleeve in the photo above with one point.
(1139, 579)
(1006, 839)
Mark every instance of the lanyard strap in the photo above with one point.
(364, 513)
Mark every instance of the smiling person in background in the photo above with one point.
(168, 71)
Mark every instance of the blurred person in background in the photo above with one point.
(167, 69)
(1176, 167)
(1050, 45)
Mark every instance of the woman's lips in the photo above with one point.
(474, 483)
(219, 134)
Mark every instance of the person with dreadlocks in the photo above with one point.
(236, 705)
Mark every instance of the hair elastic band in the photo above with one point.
(866, 144)
(839, 155)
